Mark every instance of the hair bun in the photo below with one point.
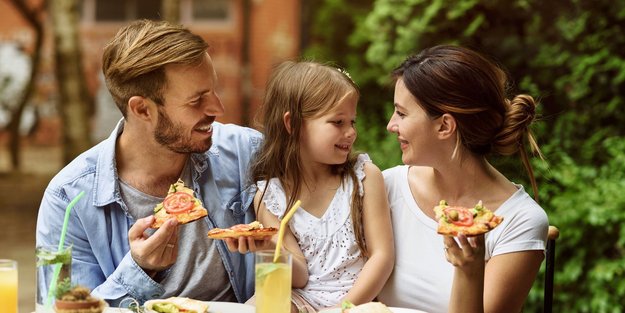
(520, 114)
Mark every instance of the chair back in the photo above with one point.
(552, 236)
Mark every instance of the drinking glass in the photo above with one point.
(49, 257)
(273, 282)
(8, 286)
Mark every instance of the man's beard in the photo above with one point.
(172, 137)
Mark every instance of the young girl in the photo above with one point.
(340, 237)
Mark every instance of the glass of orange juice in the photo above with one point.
(8, 286)
(273, 282)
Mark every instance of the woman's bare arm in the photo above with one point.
(378, 236)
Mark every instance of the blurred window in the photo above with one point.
(149, 9)
(122, 10)
(211, 9)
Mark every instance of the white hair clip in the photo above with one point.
(344, 73)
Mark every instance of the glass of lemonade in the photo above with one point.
(273, 282)
(48, 257)
(8, 286)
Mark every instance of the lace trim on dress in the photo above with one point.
(359, 168)
(303, 224)
(273, 197)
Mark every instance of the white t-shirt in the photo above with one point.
(422, 277)
(328, 243)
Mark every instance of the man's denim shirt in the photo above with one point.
(99, 222)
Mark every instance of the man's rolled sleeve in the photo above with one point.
(128, 280)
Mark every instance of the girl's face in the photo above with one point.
(415, 130)
(328, 139)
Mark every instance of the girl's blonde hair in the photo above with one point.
(306, 90)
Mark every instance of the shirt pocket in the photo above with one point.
(242, 202)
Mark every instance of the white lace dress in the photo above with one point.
(328, 243)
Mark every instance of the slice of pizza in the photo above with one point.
(455, 220)
(369, 307)
(176, 304)
(254, 229)
(180, 203)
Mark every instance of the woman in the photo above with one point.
(451, 111)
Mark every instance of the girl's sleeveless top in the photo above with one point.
(328, 243)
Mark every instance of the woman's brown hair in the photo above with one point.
(306, 90)
(473, 89)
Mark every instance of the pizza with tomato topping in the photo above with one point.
(455, 220)
(254, 229)
(181, 204)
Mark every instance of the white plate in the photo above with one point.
(232, 307)
(213, 307)
(402, 310)
(116, 310)
(394, 310)
(40, 309)
(229, 307)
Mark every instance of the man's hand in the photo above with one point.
(247, 244)
(157, 252)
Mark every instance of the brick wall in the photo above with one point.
(273, 32)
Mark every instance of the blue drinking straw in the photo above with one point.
(57, 266)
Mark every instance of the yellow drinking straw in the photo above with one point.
(285, 220)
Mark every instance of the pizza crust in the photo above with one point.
(254, 230)
(183, 218)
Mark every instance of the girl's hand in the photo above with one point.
(468, 254)
(244, 244)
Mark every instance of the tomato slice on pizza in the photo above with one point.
(181, 204)
(178, 202)
(455, 220)
(254, 229)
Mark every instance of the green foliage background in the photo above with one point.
(570, 55)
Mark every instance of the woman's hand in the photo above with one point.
(467, 293)
(469, 253)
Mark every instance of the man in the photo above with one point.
(163, 81)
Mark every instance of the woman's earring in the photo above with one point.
(456, 148)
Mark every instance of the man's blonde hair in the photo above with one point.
(134, 61)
